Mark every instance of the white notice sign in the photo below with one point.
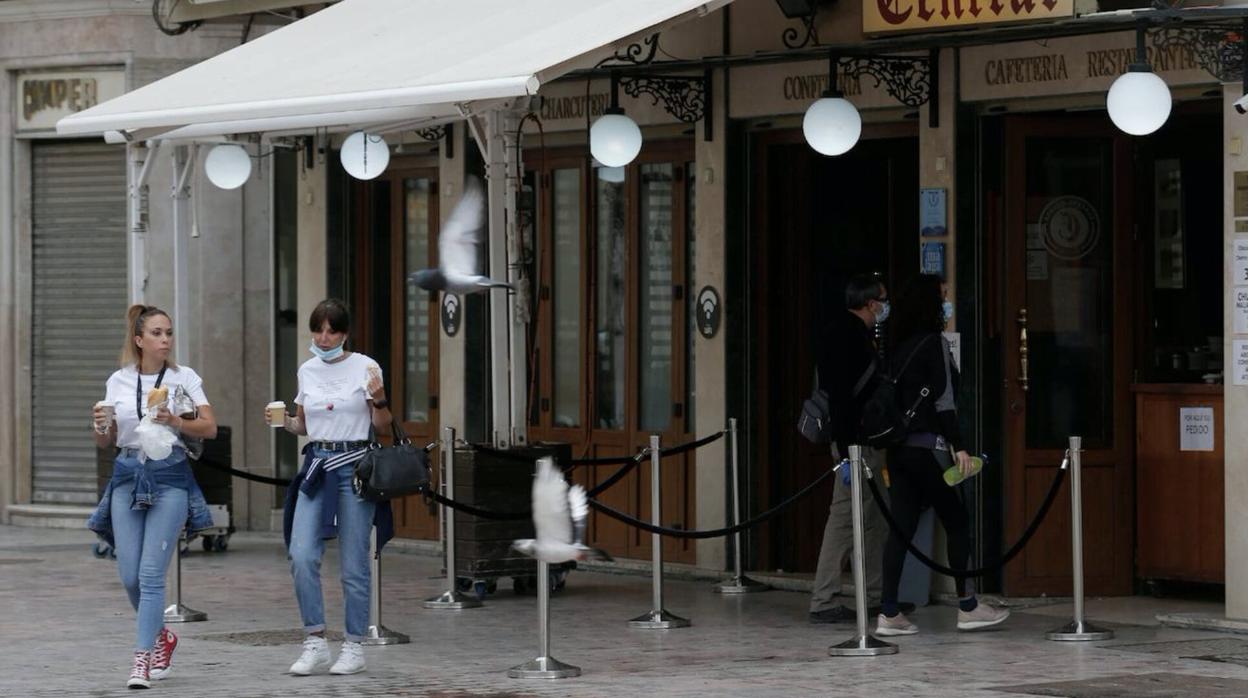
(1241, 310)
(1240, 269)
(1239, 361)
(1195, 428)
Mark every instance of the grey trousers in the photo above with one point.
(838, 540)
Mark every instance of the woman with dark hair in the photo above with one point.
(922, 361)
(152, 495)
(341, 398)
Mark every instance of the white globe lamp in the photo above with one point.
(228, 165)
(364, 155)
(1139, 101)
(832, 125)
(614, 139)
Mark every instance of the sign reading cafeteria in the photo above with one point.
(916, 15)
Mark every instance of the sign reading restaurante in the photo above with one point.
(914, 15)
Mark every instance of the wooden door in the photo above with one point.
(610, 346)
(396, 322)
(1067, 356)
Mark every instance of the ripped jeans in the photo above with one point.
(145, 541)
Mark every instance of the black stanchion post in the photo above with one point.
(378, 634)
(862, 644)
(176, 612)
(1078, 630)
(450, 599)
(658, 618)
(739, 583)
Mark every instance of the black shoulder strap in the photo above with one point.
(866, 376)
(910, 358)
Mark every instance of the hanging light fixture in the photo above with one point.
(613, 175)
(1139, 101)
(228, 165)
(614, 139)
(364, 155)
(832, 124)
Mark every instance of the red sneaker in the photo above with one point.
(162, 654)
(140, 674)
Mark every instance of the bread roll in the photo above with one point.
(157, 397)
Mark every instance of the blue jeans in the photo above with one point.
(307, 547)
(145, 540)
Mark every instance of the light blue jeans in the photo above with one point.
(307, 547)
(145, 541)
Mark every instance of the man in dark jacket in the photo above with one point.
(846, 360)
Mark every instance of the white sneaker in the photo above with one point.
(982, 617)
(350, 659)
(897, 625)
(315, 658)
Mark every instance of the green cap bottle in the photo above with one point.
(954, 475)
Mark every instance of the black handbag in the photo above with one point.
(386, 472)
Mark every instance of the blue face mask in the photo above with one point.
(885, 309)
(327, 354)
(947, 307)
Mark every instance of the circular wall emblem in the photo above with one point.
(451, 314)
(708, 312)
(1070, 226)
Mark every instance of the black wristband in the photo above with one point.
(381, 404)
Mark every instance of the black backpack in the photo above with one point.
(815, 421)
(884, 423)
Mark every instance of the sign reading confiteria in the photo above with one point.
(43, 98)
(916, 15)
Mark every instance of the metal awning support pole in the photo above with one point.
(507, 335)
(183, 161)
(141, 160)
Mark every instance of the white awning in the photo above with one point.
(397, 59)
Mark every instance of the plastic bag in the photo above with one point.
(156, 441)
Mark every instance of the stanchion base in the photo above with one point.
(862, 646)
(452, 600)
(381, 635)
(661, 619)
(1080, 632)
(544, 668)
(740, 585)
(177, 613)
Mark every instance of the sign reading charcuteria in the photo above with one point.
(915, 15)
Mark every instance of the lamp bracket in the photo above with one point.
(432, 134)
(683, 97)
(1217, 49)
(633, 53)
(907, 79)
(795, 38)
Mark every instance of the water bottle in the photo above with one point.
(954, 475)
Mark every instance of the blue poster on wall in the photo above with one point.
(932, 221)
(933, 258)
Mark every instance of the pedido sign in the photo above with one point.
(880, 16)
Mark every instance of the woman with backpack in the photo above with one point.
(927, 377)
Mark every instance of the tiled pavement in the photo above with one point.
(66, 630)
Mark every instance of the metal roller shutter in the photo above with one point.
(79, 297)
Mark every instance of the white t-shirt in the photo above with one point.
(335, 402)
(120, 388)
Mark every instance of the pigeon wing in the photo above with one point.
(550, 503)
(459, 240)
(578, 507)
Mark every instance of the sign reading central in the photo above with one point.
(914, 15)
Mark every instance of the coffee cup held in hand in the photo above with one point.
(277, 413)
(106, 422)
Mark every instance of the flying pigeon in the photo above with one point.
(459, 245)
(559, 515)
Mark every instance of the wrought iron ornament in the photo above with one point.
(1218, 50)
(908, 80)
(632, 54)
(793, 38)
(682, 97)
(432, 134)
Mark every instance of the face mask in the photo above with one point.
(327, 354)
(947, 307)
(885, 309)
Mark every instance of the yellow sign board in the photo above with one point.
(880, 16)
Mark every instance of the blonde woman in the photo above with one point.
(149, 500)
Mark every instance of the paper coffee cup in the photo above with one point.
(277, 413)
(109, 411)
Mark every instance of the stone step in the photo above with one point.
(49, 515)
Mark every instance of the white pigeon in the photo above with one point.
(559, 515)
(459, 249)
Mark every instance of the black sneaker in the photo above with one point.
(837, 614)
(904, 607)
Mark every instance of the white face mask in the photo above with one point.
(327, 354)
(885, 309)
(947, 308)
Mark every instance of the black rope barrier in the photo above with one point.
(713, 533)
(280, 482)
(1010, 554)
(476, 511)
(677, 450)
(615, 477)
